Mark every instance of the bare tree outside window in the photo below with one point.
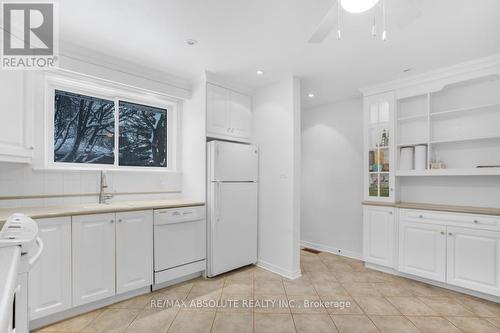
(84, 129)
(143, 135)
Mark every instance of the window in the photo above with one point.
(143, 135)
(85, 127)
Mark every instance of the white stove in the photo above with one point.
(20, 231)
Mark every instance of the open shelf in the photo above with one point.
(450, 172)
(410, 118)
(465, 109)
(484, 138)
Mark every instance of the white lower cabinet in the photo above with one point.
(378, 235)
(422, 250)
(50, 278)
(474, 259)
(134, 250)
(93, 256)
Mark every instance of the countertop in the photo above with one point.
(9, 265)
(84, 209)
(435, 207)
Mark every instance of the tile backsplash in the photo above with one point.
(20, 180)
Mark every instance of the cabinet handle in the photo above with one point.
(476, 221)
(421, 216)
(120, 221)
(450, 234)
(390, 213)
(442, 232)
(112, 221)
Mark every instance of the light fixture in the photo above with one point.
(360, 6)
(191, 42)
(260, 72)
(310, 95)
(357, 6)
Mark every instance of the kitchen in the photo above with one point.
(230, 166)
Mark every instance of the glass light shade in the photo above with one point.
(357, 6)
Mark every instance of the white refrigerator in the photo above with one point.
(232, 173)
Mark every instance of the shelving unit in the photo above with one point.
(459, 124)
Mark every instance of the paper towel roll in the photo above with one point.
(421, 157)
(406, 158)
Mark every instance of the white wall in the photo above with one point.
(332, 177)
(276, 124)
(194, 144)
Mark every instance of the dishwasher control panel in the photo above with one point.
(176, 215)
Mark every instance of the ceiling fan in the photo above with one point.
(405, 13)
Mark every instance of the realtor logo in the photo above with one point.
(29, 39)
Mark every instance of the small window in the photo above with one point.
(84, 129)
(143, 135)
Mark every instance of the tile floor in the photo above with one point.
(316, 302)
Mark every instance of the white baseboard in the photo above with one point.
(50, 319)
(392, 271)
(292, 275)
(331, 249)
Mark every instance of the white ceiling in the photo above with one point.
(237, 37)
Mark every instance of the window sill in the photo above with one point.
(95, 168)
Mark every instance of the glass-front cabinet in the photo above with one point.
(379, 147)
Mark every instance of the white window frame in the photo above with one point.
(113, 92)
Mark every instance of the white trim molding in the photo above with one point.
(79, 59)
(292, 275)
(435, 80)
(331, 249)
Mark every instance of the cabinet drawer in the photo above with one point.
(485, 222)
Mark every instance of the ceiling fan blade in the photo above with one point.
(405, 13)
(325, 27)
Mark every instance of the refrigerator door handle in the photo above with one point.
(218, 201)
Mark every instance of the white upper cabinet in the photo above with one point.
(15, 124)
(50, 277)
(379, 147)
(378, 235)
(217, 110)
(229, 114)
(474, 259)
(93, 257)
(134, 250)
(240, 115)
(422, 250)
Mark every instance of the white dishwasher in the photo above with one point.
(179, 243)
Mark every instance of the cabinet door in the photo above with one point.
(474, 259)
(378, 235)
(240, 115)
(379, 147)
(134, 250)
(422, 250)
(217, 110)
(50, 277)
(15, 126)
(93, 238)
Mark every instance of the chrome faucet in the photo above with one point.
(103, 195)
